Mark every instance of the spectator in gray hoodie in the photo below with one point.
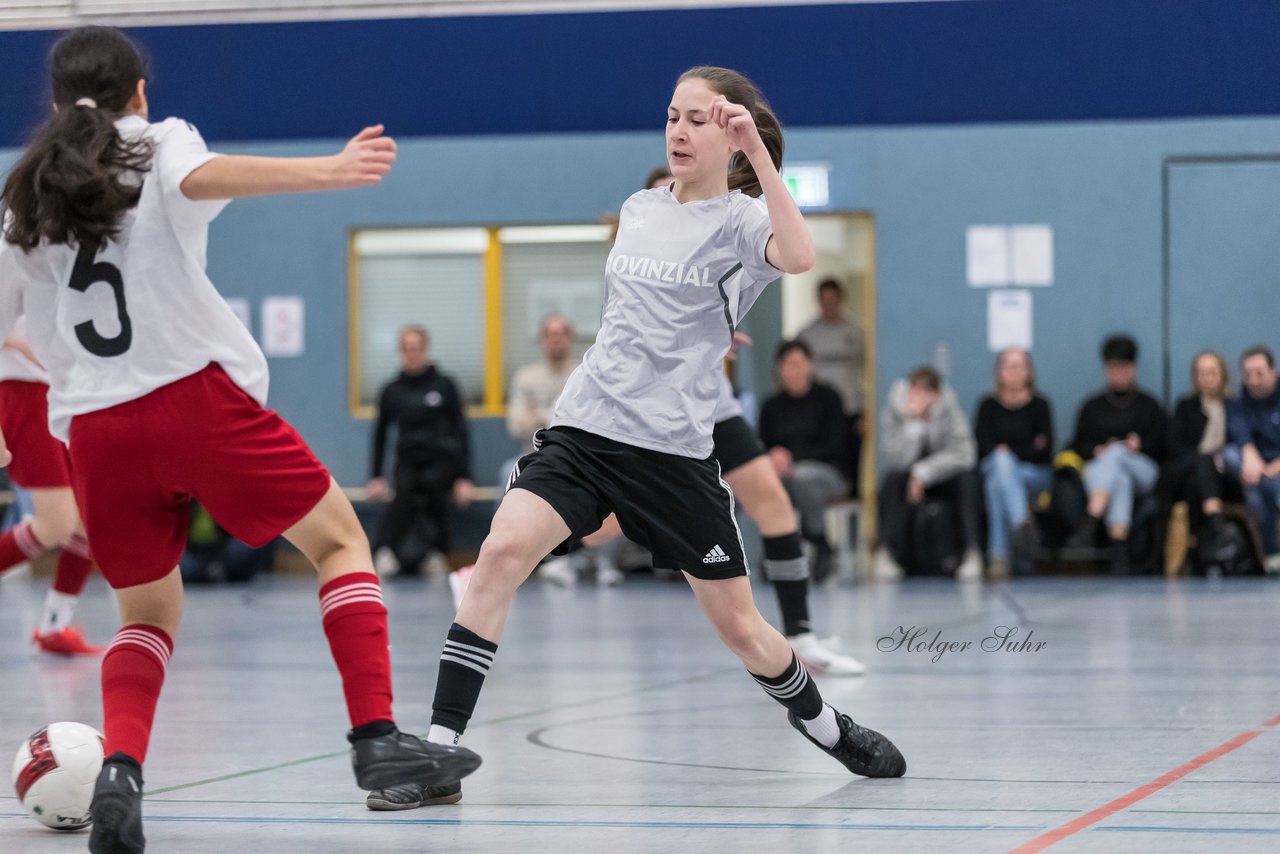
(930, 453)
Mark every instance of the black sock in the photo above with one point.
(785, 566)
(464, 663)
(794, 689)
(373, 729)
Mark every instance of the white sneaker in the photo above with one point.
(458, 581)
(608, 574)
(970, 568)
(886, 568)
(558, 570)
(1272, 565)
(385, 562)
(820, 658)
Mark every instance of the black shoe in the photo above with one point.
(411, 796)
(117, 808)
(861, 750)
(1120, 558)
(398, 758)
(1086, 536)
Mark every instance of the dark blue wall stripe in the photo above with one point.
(899, 63)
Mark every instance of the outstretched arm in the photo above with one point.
(364, 161)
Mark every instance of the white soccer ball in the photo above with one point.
(54, 774)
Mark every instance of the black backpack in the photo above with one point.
(934, 543)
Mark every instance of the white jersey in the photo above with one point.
(727, 405)
(116, 324)
(678, 280)
(15, 365)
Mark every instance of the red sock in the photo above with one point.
(19, 544)
(355, 622)
(74, 566)
(132, 675)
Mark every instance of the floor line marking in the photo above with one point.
(1124, 801)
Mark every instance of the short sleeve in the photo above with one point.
(180, 150)
(10, 288)
(751, 232)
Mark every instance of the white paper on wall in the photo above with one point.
(1008, 319)
(1032, 249)
(987, 255)
(282, 326)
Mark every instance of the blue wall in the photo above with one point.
(534, 119)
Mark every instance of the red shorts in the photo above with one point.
(137, 465)
(39, 460)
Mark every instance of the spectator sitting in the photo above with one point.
(931, 453)
(1015, 445)
(1252, 455)
(1197, 436)
(432, 454)
(1120, 434)
(839, 350)
(804, 428)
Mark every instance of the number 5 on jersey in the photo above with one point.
(84, 275)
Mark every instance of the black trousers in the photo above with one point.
(963, 491)
(1192, 478)
(423, 493)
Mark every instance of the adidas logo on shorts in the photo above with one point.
(716, 555)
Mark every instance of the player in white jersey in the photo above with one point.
(631, 434)
(159, 391)
(41, 467)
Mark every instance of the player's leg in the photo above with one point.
(54, 633)
(769, 659)
(757, 487)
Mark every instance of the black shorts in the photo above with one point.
(677, 507)
(736, 443)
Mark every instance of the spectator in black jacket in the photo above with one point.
(804, 428)
(1197, 436)
(1120, 434)
(1253, 446)
(1014, 431)
(433, 459)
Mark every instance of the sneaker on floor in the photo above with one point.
(558, 570)
(886, 568)
(1272, 565)
(68, 641)
(458, 581)
(861, 750)
(970, 568)
(385, 562)
(411, 796)
(435, 566)
(608, 575)
(398, 758)
(117, 808)
(821, 658)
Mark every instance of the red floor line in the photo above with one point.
(1125, 801)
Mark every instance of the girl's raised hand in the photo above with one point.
(364, 160)
(739, 125)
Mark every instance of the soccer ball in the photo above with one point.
(54, 774)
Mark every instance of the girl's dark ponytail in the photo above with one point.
(78, 176)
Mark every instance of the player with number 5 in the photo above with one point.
(159, 391)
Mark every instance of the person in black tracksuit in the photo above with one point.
(433, 455)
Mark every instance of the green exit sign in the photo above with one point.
(809, 183)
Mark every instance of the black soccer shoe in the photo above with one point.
(861, 750)
(398, 758)
(117, 808)
(411, 796)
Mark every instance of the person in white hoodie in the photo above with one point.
(930, 453)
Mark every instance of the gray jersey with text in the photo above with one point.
(677, 282)
(727, 405)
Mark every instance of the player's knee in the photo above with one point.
(739, 632)
(504, 553)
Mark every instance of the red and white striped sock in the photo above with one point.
(18, 545)
(355, 622)
(132, 676)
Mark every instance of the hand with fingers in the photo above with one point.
(365, 159)
(740, 339)
(739, 125)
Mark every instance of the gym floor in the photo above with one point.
(1146, 719)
